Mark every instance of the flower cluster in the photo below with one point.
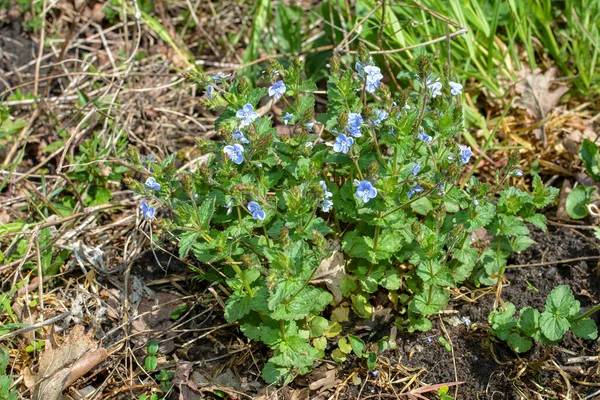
(372, 74)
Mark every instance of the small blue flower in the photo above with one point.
(360, 68)
(415, 169)
(365, 191)
(152, 184)
(413, 190)
(406, 106)
(381, 116)
(465, 153)
(354, 121)
(441, 192)
(455, 88)
(392, 131)
(229, 206)
(309, 126)
(149, 158)
(220, 76)
(374, 78)
(308, 145)
(235, 153)
(435, 87)
(475, 202)
(247, 114)
(342, 144)
(147, 211)
(209, 91)
(326, 205)
(287, 118)
(238, 135)
(518, 172)
(328, 194)
(256, 211)
(423, 136)
(277, 90)
(430, 339)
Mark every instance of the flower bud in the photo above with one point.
(363, 53)
(335, 66)
(244, 87)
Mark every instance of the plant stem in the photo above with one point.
(239, 272)
(588, 312)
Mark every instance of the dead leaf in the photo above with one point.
(536, 96)
(561, 212)
(63, 365)
(325, 383)
(332, 270)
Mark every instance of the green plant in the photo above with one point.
(561, 313)
(378, 176)
(5, 381)
(580, 198)
(150, 362)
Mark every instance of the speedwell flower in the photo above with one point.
(220, 76)
(277, 90)
(150, 158)
(415, 169)
(465, 153)
(423, 136)
(152, 184)
(326, 205)
(455, 88)
(381, 115)
(342, 144)
(235, 153)
(374, 77)
(287, 118)
(413, 190)
(209, 91)
(229, 206)
(518, 172)
(365, 191)
(354, 121)
(238, 135)
(247, 114)
(328, 194)
(147, 211)
(256, 211)
(435, 87)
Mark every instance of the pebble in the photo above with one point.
(550, 272)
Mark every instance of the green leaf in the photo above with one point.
(295, 352)
(578, 200)
(561, 301)
(529, 321)
(503, 321)
(553, 326)
(537, 220)
(433, 299)
(237, 307)
(371, 361)
(519, 343)
(318, 326)
(585, 328)
(589, 154)
(205, 213)
(344, 345)
(390, 279)
(433, 272)
(422, 206)
(357, 246)
(320, 343)
(97, 196)
(338, 355)
(421, 324)
(150, 363)
(361, 306)
(484, 213)
(358, 346)
(347, 286)
(542, 195)
(273, 373)
(152, 348)
(186, 241)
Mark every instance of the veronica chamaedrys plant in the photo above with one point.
(377, 173)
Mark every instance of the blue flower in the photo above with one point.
(328, 194)
(374, 78)
(455, 88)
(354, 121)
(209, 91)
(465, 153)
(247, 114)
(152, 184)
(326, 205)
(423, 136)
(415, 169)
(342, 144)
(235, 153)
(147, 211)
(381, 116)
(220, 76)
(365, 191)
(277, 90)
(229, 206)
(518, 172)
(256, 211)
(238, 135)
(441, 192)
(287, 118)
(413, 190)
(435, 87)
(149, 158)
(475, 202)
(360, 68)
(406, 106)
(309, 126)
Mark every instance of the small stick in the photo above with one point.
(35, 326)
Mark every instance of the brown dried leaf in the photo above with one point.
(61, 366)
(332, 270)
(536, 96)
(325, 383)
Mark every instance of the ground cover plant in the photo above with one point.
(121, 287)
(381, 179)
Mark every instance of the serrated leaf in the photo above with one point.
(553, 326)
(427, 303)
(585, 328)
(272, 373)
(542, 195)
(237, 306)
(538, 220)
(344, 345)
(561, 301)
(519, 343)
(390, 279)
(186, 241)
(589, 154)
(318, 326)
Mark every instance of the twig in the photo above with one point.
(35, 326)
